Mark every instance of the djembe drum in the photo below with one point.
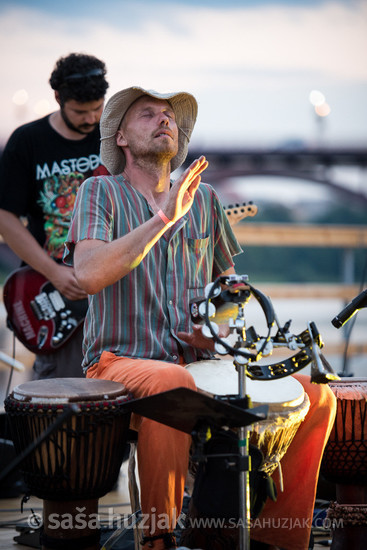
(287, 401)
(79, 461)
(288, 406)
(344, 463)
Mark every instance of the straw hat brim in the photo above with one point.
(183, 104)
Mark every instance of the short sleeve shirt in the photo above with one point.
(141, 314)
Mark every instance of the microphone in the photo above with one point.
(355, 305)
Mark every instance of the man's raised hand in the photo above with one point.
(182, 193)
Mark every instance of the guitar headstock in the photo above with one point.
(238, 212)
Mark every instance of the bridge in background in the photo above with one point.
(315, 165)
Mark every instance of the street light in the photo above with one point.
(321, 110)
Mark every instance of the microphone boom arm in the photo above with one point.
(350, 309)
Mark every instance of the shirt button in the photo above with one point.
(170, 302)
(174, 357)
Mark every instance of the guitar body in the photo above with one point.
(39, 315)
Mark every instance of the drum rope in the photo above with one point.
(351, 514)
(345, 452)
(280, 474)
(77, 458)
(354, 406)
(275, 434)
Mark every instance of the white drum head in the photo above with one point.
(221, 378)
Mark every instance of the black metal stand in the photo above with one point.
(244, 471)
(191, 412)
(187, 410)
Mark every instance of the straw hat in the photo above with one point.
(183, 104)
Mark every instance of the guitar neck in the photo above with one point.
(239, 212)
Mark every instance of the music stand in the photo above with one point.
(193, 412)
(185, 410)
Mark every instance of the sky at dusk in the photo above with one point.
(251, 64)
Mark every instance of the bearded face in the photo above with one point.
(82, 118)
(149, 131)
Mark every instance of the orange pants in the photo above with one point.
(163, 453)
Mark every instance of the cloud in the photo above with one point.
(266, 54)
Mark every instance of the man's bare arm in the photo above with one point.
(99, 264)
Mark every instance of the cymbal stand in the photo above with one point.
(243, 463)
(244, 466)
(247, 351)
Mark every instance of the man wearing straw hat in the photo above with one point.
(142, 247)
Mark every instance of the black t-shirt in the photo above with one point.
(40, 174)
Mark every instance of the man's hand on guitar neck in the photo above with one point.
(63, 278)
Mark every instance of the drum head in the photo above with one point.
(221, 378)
(68, 390)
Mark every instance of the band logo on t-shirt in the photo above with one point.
(60, 184)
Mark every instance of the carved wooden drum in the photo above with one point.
(345, 464)
(76, 463)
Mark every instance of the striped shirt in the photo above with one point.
(140, 315)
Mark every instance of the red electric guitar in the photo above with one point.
(42, 318)
(39, 315)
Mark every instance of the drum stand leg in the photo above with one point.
(244, 486)
(135, 506)
(134, 494)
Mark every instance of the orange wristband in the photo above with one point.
(164, 218)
